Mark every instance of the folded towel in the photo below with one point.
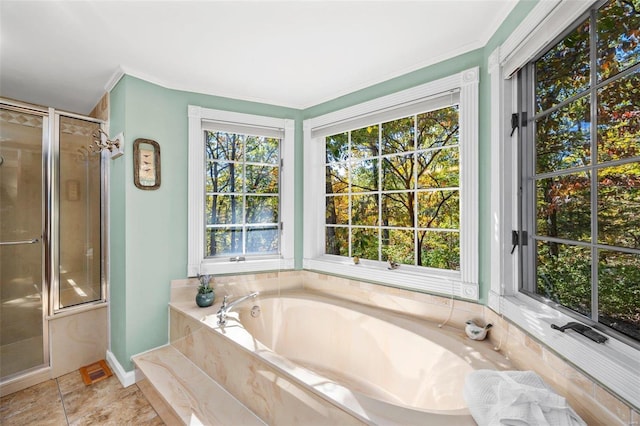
(515, 398)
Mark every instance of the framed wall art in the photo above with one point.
(146, 164)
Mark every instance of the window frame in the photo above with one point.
(199, 120)
(463, 283)
(615, 364)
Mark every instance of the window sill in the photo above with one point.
(210, 266)
(614, 364)
(433, 281)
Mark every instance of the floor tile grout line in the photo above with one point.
(64, 409)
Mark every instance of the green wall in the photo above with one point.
(148, 236)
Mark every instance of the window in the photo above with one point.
(393, 191)
(581, 170)
(242, 187)
(239, 208)
(393, 182)
(615, 363)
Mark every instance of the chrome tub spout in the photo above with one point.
(226, 306)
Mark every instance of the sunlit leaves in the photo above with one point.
(364, 175)
(619, 119)
(383, 177)
(242, 185)
(564, 275)
(337, 147)
(337, 241)
(397, 172)
(439, 250)
(365, 243)
(564, 207)
(619, 205)
(364, 209)
(563, 71)
(397, 209)
(438, 128)
(563, 138)
(397, 136)
(618, 37)
(619, 291)
(439, 168)
(439, 209)
(364, 142)
(398, 245)
(335, 204)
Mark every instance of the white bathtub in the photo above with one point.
(381, 367)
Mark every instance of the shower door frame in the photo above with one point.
(50, 241)
(54, 218)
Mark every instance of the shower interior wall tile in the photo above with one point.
(101, 110)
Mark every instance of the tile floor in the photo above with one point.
(68, 401)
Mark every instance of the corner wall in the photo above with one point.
(148, 229)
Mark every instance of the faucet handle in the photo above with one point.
(224, 301)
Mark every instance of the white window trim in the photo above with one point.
(615, 364)
(196, 262)
(463, 283)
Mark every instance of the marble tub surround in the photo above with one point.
(282, 392)
(370, 354)
(272, 396)
(184, 394)
(591, 400)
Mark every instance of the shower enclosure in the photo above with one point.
(51, 233)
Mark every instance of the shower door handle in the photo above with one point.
(15, 243)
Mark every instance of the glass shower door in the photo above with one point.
(21, 246)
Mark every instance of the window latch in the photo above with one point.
(582, 329)
(516, 238)
(514, 124)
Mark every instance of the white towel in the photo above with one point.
(515, 398)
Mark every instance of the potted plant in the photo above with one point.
(206, 295)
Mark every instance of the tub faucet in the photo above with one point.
(226, 307)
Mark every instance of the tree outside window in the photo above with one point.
(393, 191)
(584, 169)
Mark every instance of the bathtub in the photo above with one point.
(381, 367)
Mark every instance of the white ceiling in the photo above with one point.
(290, 53)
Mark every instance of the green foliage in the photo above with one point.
(409, 160)
(571, 166)
(205, 284)
(242, 188)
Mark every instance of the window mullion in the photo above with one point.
(416, 250)
(379, 165)
(349, 196)
(593, 52)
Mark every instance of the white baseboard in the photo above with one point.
(127, 378)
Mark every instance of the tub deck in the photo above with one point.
(207, 372)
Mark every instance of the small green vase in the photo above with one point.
(205, 299)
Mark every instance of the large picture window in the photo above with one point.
(581, 170)
(391, 188)
(392, 191)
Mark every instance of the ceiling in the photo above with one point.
(297, 54)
